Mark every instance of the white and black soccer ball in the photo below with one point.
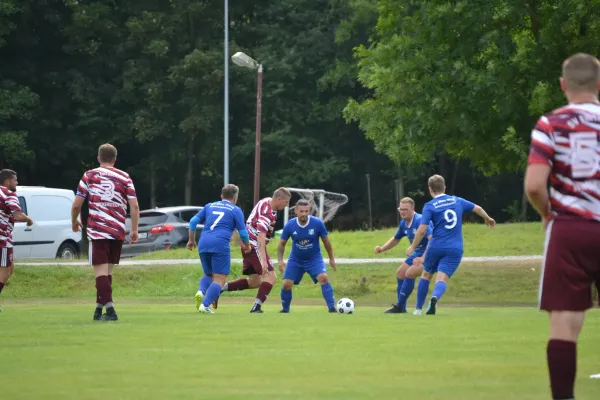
(345, 306)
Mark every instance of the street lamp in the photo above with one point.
(246, 61)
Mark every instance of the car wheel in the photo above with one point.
(67, 251)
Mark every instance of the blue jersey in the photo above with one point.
(220, 219)
(446, 214)
(305, 239)
(410, 230)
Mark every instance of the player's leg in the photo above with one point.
(113, 258)
(250, 260)
(99, 257)
(268, 280)
(399, 307)
(430, 267)
(569, 269)
(6, 266)
(327, 291)
(206, 280)
(408, 286)
(292, 275)
(220, 269)
(447, 266)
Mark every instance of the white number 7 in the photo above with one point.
(220, 215)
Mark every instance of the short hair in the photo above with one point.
(303, 203)
(107, 153)
(407, 200)
(6, 174)
(282, 192)
(581, 73)
(229, 191)
(436, 183)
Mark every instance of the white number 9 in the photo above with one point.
(451, 219)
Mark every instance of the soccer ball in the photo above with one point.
(345, 306)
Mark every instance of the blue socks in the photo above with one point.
(422, 291)
(286, 299)
(398, 288)
(205, 282)
(439, 289)
(213, 293)
(407, 288)
(327, 290)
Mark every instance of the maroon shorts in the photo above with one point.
(571, 265)
(252, 263)
(6, 257)
(105, 251)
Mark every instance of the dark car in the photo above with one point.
(161, 229)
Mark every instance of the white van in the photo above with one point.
(51, 235)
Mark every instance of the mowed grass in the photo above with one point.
(171, 352)
(475, 283)
(519, 239)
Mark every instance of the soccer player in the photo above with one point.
(107, 190)
(565, 147)
(257, 263)
(10, 211)
(220, 219)
(408, 227)
(445, 249)
(305, 231)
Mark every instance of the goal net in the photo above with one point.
(323, 204)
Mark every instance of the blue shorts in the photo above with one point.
(410, 259)
(295, 270)
(216, 263)
(443, 260)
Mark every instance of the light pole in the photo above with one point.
(226, 97)
(246, 61)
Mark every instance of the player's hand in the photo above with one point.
(491, 222)
(265, 269)
(281, 266)
(418, 260)
(246, 249)
(378, 249)
(333, 264)
(190, 245)
(410, 250)
(29, 222)
(76, 226)
(133, 237)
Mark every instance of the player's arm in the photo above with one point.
(536, 181)
(199, 218)
(329, 249)
(261, 242)
(419, 235)
(390, 244)
(75, 212)
(280, 253)
(12, 203)
(20, 216)
(240, 225)
(481, 212)
(134, 211)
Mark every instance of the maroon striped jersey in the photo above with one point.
(107, 191)
(9, 203)
(262, 219)
(568, 140)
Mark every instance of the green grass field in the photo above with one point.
(504, 240)
(167, 351)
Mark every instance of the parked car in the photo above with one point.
(161, 229)
(51, 235)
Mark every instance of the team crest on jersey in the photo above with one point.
(311, 231)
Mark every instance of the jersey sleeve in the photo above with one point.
(322, 230)
(238, 218)
(12, 203)
(131, 189)
(202, 214)
(542, 147)
(429, 229)
(426, 215)
(83, 189)
(466, 205)
(400, 232)
(285, 234)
